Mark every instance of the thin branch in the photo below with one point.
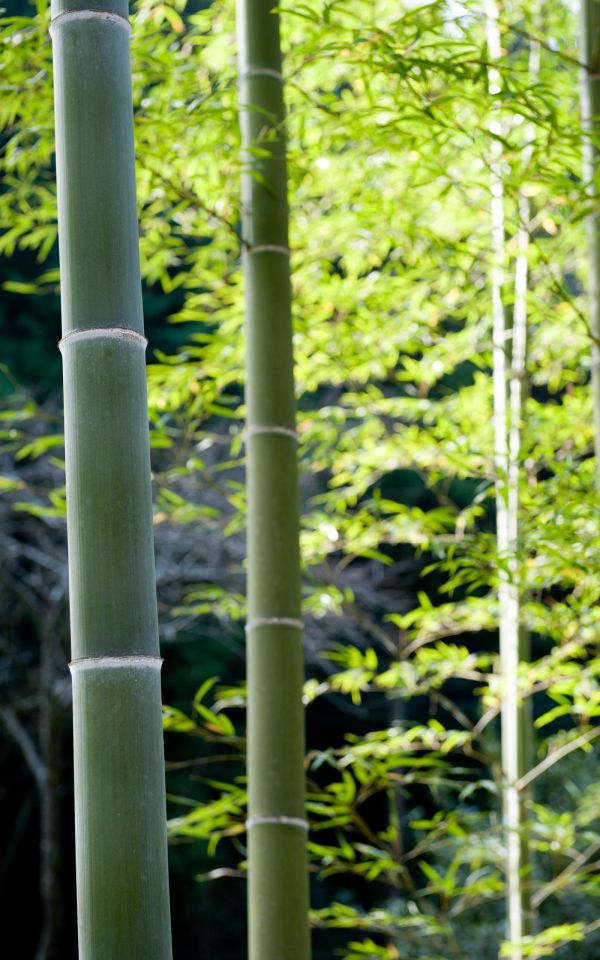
(557, 755)
(26, 745)
(562, 878)
(543, 44)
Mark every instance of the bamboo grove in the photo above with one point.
(441, 171)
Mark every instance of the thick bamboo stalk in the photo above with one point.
(278, 885)
(590, 119)
(507, 387)
(120, 823)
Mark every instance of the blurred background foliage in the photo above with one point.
(390, 120)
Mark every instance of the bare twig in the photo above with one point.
(25, 743)
(557, 755)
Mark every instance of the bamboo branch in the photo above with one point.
(557, 755)
(26, 745)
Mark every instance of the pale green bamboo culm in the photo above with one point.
(590, 118)
(120, 822)
(278, 881)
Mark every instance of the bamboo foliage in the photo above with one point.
(590, 114)
(278, 887)
(123, 907)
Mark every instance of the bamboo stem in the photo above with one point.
(120, 823)
(278, 885)
(507, 387)
(590, 118)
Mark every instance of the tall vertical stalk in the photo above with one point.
(122, 886)
(590, 119)
(508, 371)
(278, 885)
(516, 393)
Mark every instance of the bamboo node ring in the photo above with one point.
(273, 428)
(71, 15)
(277, 821)
(102, 333)
(112, 660)
(268, 248)
(263, 72)
(274, 622)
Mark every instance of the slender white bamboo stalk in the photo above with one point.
(508, 395)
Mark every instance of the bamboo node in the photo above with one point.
(263, 72)
(277, 821)
(274, 622)
(102, 333)
(112, 660)
(71, 15)
(272, 428)
(268, 248)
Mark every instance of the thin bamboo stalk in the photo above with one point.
(590, 118)
(521, 764)
(278, 885)
(507, 388)
(120, 823)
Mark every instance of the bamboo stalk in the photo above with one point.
(278, 885)
(590, 119)
(508, 370)
(120, 824)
